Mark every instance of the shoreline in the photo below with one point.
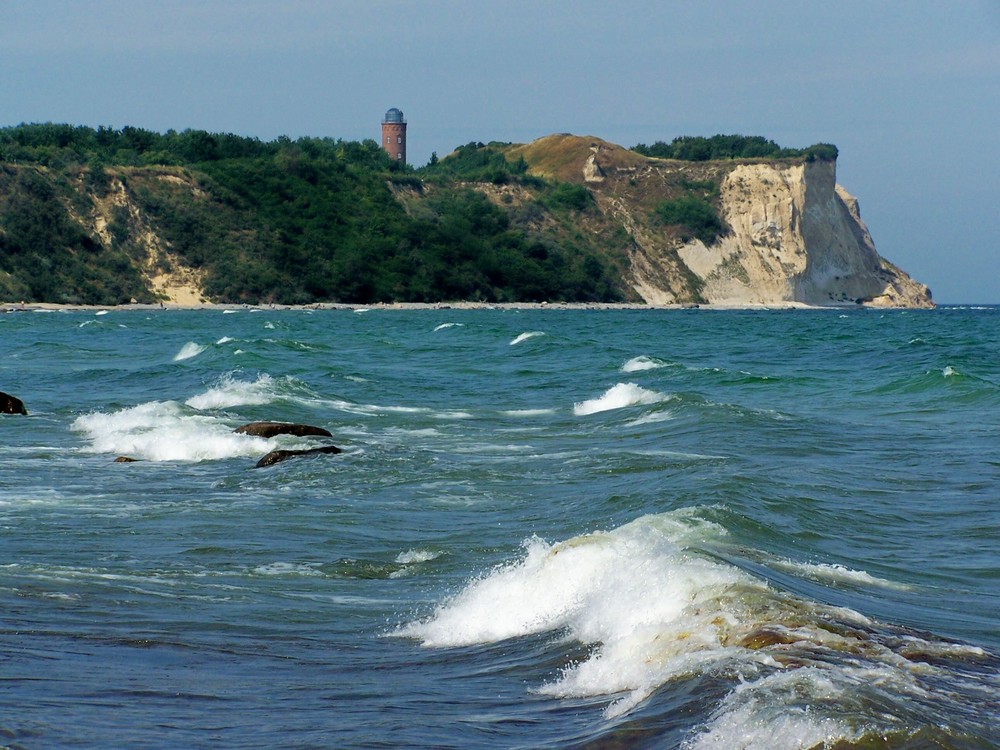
(13, 307)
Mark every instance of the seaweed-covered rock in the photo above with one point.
(270, 429)
(283, 455)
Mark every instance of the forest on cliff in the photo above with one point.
(305, 220)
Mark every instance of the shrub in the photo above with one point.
(695, 216)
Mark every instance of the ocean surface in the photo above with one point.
(547, 529)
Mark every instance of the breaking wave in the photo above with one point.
(655, 610)
(618, 397)
(165, 431)
(525, 336)
(189, 351)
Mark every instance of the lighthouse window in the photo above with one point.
(399, 139)
(399, 155)
(388, 139)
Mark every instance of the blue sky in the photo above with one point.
(909, 91)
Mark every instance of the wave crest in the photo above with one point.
(618, 397)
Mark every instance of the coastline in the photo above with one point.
(13, 307)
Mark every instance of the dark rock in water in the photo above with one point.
(125, 460)
(11, 405)
(282, 455)
(270, 429)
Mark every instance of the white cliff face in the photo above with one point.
(796, 236)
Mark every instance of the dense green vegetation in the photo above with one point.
(479, 162)
(44, 255)
(693, 215)
(699, 148)
(284, 221)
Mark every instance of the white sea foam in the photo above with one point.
(228, 312)
(529, 412)
(638, 364)
(949, 371)
(837, 574)
(655, 609)
(448, 325)
(652, 418)
(618, 397)
(165, 431)
(751, 717)
(224, 340)
(526, 336)
(188, 351)
(414, 556)
(101, 312)
(286, 569)
(230, 392)
(376, 409)
(651, 606)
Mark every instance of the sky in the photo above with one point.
(908, 90)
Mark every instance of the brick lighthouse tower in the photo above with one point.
(394, 134)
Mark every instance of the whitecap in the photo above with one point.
(224, 340)
(228, 312)
(448, 325)
(188, 351)
(751, 717)
(526, 336)
(165, 431)
(836, 573)
(229, 392)
(528, 412)
(618, 397)
(638, 364)
(653, 418)
(633, 590)
(415, 556)
(653, 608)
(950, 371)
(101, 312)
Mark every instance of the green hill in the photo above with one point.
(104, 216)
(95, 216)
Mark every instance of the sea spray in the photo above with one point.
(231, 391)
(655, 609)
(165, 431)
(619, 396)
(190, 350)
(521, 338)
(641, 363)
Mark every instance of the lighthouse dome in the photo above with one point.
(393, 115)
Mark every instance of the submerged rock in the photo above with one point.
(125, 460)
(270, 429)
(11, 405)
(282, 455)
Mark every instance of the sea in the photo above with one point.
(547, 528)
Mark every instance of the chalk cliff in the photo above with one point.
(790, 233)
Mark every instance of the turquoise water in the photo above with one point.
(548, 528)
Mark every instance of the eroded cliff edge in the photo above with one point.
(790, 233)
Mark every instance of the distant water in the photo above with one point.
(548, 529)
